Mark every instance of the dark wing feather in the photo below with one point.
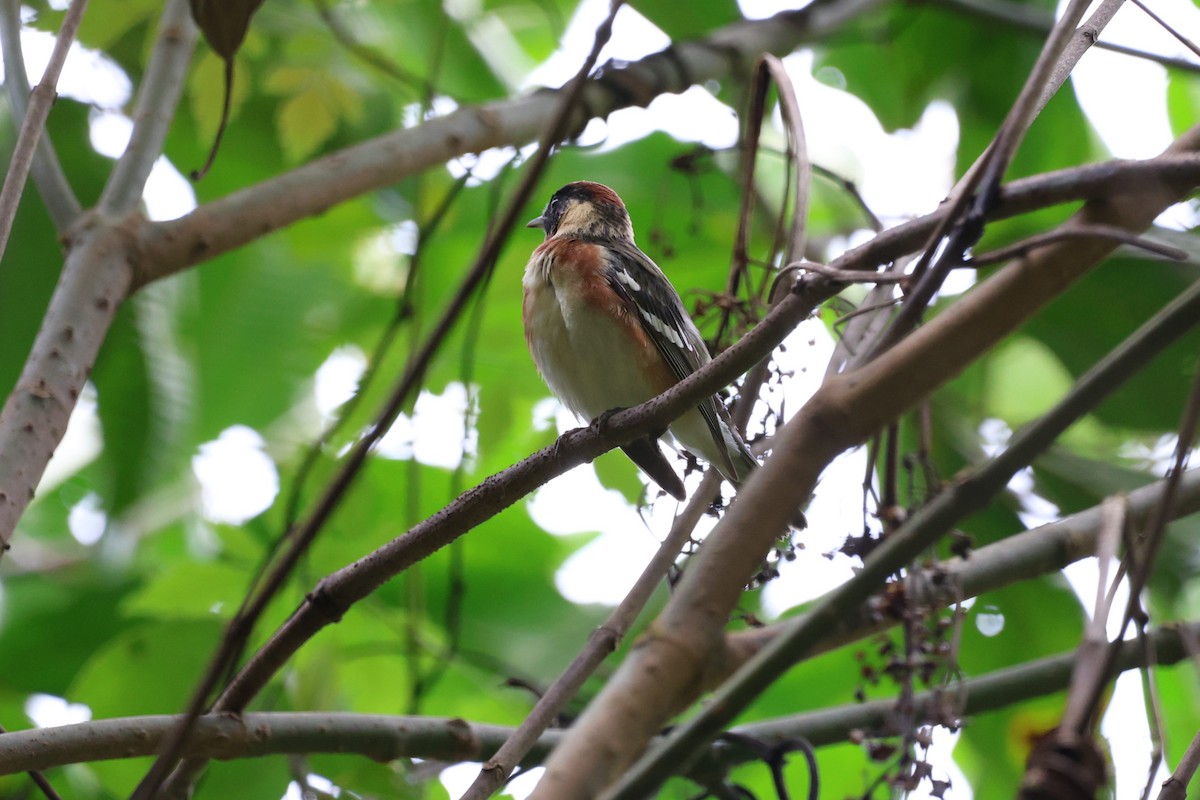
(640, 284)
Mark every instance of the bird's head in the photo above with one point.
(585, 210)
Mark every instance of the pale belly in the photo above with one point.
(589, 363)
(593, 366)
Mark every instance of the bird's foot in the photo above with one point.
(601, 422)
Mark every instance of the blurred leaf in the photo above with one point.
(80, 608)
(305, 122)
(1106, 306)
(127, 415)
(206, 93)
(700, 18)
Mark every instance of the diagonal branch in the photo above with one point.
(922, 530)
(36, 112)
(61, 203)
(387, 738)
(1038, 20)
(154, 108)
(1040, 551)
(665, 673)
(244, 216)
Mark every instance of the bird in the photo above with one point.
(607, 330)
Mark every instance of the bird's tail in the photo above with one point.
(745, 463)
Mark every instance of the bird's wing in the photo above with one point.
(644, 288)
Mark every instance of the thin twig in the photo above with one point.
(976, 193)
(40, 102)
(61, 203)
(1082, 232)
(1154, 712)
(239, 628)
(1039, 20)
(1152, 537)
(153, 109)
(1089, 661)
(1186, 42)
(921, 530)
(603, 641)
(1175, 787)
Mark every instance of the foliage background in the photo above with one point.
(124, 624)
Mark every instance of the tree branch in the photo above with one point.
(36, 112)
(1038, 20)
(686, 642)
(247, 215)
(387, 738)
(154, 108)
(600, 644)
(61, 203)
(1024, 556)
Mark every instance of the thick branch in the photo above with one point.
(686, 642)
(242, 217)
(95, 279)
(386, 738)
(1041, 551)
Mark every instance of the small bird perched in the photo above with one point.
(607, 331)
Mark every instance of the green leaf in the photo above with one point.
(305, 122)
(699, 19)
(1106, 306)
(206, 95)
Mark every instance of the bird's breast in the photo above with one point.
(591, 353)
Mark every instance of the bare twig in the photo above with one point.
(1098, 231)
(1036, 19)
(1175, 787)
(1186, 42)
(603, 641)
(242, 624)
(154, 108)
(977, 190)
(1151, 539)
(34, 122)
(919, 532)
(61, 203)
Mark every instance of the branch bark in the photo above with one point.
(1040, 551)
(34, 122)
(309, 190)
(386, 738)
(128, 252)
(686, 642)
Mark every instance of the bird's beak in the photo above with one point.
(536, 222)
